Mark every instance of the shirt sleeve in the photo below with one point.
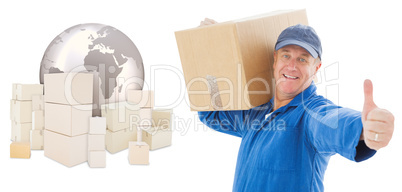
(332, 129)
(229, 122)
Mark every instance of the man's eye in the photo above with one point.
(286, 56)
(302, 60)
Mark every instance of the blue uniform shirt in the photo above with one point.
(289, 149)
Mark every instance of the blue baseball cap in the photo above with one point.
(303, 36)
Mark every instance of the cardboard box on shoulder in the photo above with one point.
(69, 151)
(69, 88)
(66, 119)
(228, 66)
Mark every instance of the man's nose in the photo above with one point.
(292, 64)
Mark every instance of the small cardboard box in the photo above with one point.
(120, 115)
(69, 151)
(118, 141)
(38, 120)
(97, 159)
(36, 139)
(69, 88)
(228, 66)
(24, 92)
(142, 98)
(138, 153)
(38, 103)
(21, 111)
(96, 142)
(157, 137)
(97, 125)
(20, 150)
(66, 119)
(21, 131)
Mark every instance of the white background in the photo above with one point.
(363, 37)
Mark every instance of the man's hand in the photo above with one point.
(207, 21)
(378, 124)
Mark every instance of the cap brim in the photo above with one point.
(306, 46)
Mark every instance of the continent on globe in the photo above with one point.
(101, 48)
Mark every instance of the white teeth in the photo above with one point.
(288, 76)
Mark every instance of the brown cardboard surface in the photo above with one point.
(20, 150)
(38, 120)
(157, 137)
(24, 92)
(121, 116)
(138, 153)
(36, 139)
(96, 142)
(69, 151)
(21, 131)
(66, 119)
(97, 125)
(97, 159)
(21, 111)
(38, 103)
(118, 141)
(142, 98)
(228, 66)
(69, 88)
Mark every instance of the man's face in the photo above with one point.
(294, 69)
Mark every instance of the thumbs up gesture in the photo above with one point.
(378, 124)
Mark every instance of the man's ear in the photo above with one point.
(275, 55)
(318, 66)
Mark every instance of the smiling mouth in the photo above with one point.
(290, 77)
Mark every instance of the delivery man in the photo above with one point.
(287, 142)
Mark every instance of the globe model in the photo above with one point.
(101, 49)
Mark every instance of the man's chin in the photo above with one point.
(288, 91)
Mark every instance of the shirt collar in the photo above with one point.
(301, 97)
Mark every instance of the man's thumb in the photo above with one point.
(368, 98)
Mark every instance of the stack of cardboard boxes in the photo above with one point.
(139, 151)
(68, 108)
(21, 117)
(120, 129)
(96, 142)
(38, 122)
(159, 135)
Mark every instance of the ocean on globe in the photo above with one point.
(101, 49)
